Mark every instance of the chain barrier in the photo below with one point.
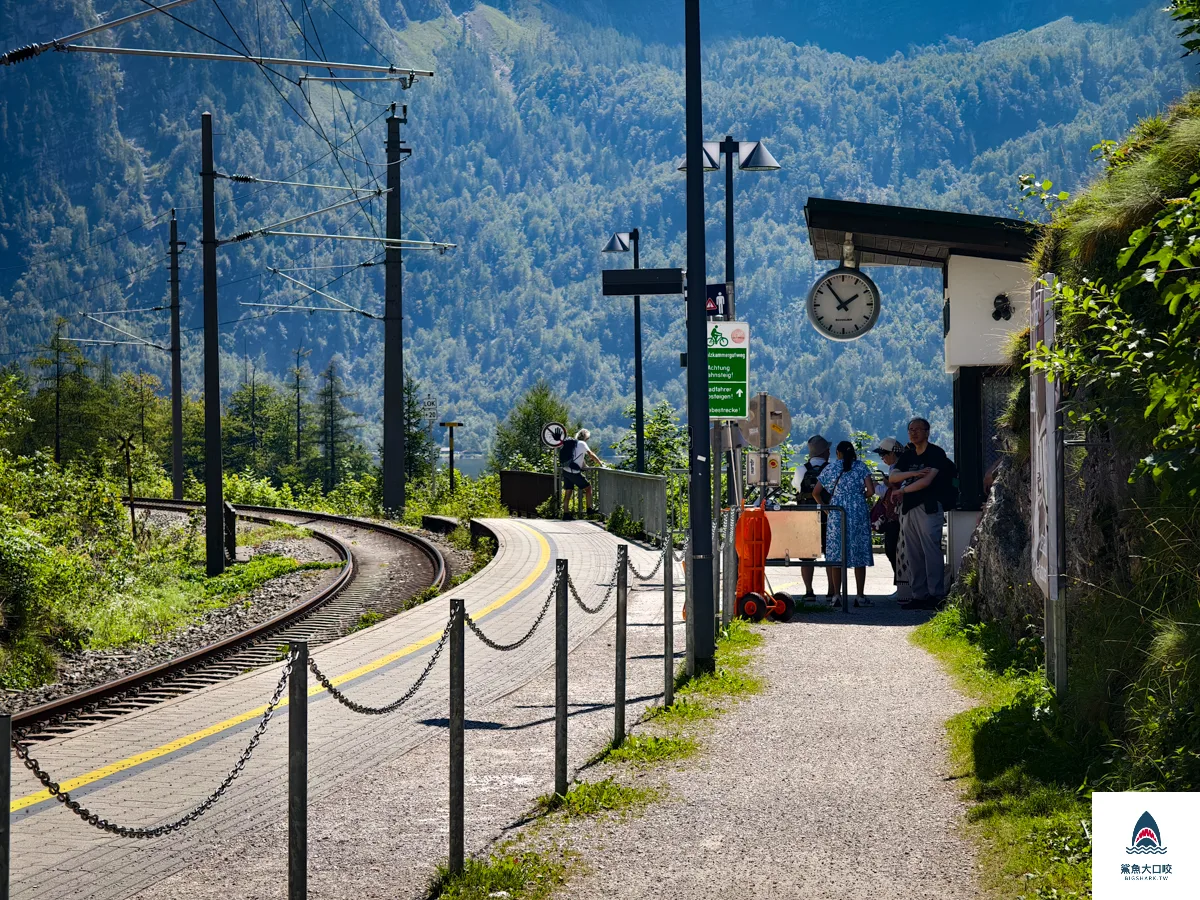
(662, 557)
(591, 611)
(504, 648)
(96, 821)
(362, 709)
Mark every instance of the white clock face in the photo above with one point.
(843, 304)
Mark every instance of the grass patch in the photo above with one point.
(367, 619)
(590, 798)
(165, 600)
(525, 875)
(648, 749)
(277, 532)
(680, 713)
(1020, 770)
(730, 677)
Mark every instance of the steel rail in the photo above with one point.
(63, 708)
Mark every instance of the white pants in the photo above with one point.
(923, 545)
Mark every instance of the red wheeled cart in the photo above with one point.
(752, 541)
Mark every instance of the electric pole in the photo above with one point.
(176, 369)
(699, 503)
(214, 518)
(393, 330)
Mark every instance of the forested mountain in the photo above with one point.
(548, 126)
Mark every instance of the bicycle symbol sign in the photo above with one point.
(728, 370)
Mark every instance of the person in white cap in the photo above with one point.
(885, 514)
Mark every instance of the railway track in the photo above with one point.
(384, 568)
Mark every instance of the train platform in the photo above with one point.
(378, 793)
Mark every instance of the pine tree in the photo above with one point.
(519, 437)
(337, 426)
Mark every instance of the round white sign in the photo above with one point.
(553, 435)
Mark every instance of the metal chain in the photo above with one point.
(662, 557)
(504, 648)
(361, 709)
(94, 819)
(591, 611)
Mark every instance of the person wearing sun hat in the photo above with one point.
(885, 515)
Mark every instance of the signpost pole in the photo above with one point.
(639, 420)
(451, 426)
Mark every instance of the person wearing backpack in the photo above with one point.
(927, 480)
(572, 454)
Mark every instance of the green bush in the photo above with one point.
(622, 525)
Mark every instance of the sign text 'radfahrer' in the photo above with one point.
(728, 370)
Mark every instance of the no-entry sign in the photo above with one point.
(728, 370)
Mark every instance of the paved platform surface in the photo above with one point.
(377, 784)
(834, 784)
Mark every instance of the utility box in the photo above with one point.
(987, 301)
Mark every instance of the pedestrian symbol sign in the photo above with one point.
(715, 300)
(728, 370)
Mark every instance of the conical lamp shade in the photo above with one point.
(619, 243)
(712, 157)
(756, 158)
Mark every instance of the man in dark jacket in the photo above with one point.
(804, 480)
(922, 472)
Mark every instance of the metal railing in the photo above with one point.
(643, 497)
(293, 679)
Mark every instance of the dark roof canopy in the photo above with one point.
(903, 236)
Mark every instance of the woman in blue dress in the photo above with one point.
(848, 485)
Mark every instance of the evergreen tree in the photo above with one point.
(419, 445)
(518, 441)
(666, 441)
(341, 453)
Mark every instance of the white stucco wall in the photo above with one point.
(975, 338)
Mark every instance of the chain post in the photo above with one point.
(689, 628)
(669, 621)
(457, 735)
(560, 680)
(729, 572)
(6, 797)
(622, 621)
(298, 773)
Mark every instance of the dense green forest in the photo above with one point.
(546, 127)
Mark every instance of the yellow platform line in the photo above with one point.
(180, 743)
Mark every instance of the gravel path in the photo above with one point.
(832, 783)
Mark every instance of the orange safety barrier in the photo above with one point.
(752, 539)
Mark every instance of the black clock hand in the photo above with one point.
(845, 304)
(829, 284)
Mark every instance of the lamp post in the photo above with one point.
(620, 243)
(752, 156)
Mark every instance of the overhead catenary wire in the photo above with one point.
(128, 334)
(270, 229)
(392, 242)
(322, 293)
(265, 61)
(31, 50)
(254, 179)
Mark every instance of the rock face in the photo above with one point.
(997, 573)
(1103, 522)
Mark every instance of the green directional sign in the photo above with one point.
(728, 370)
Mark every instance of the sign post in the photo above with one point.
(553, 435)
(451, 426)
(728, 370)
